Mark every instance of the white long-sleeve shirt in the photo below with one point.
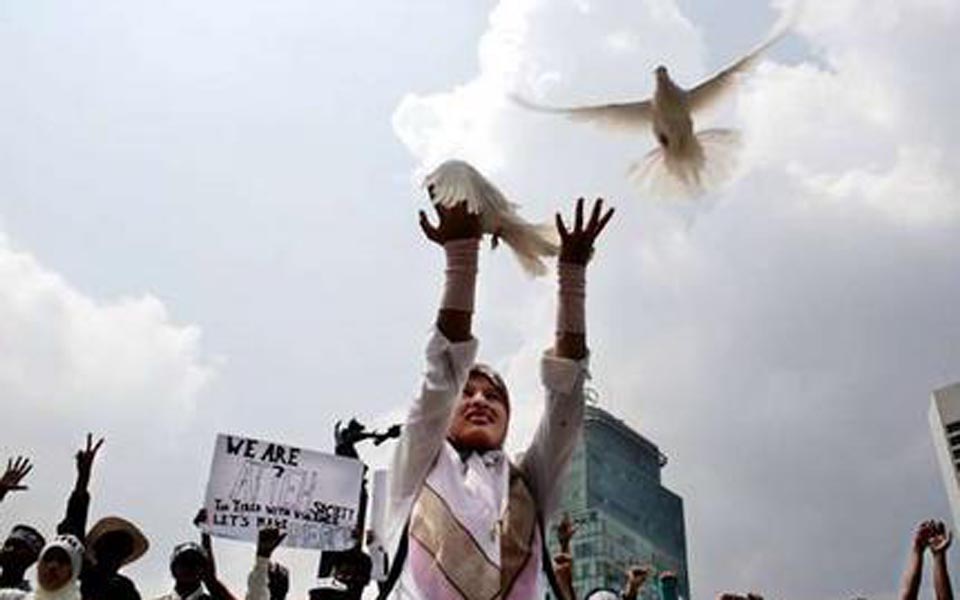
(476, 488)
(258, 581)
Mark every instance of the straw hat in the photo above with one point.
(116, 524)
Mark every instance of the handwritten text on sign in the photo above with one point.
(310, 495)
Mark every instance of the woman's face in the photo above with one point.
(54, 569)
(480, 420)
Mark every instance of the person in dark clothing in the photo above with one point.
(22, 547)
(188, 565)
(218, 590)
(112, 543)
(20, 551)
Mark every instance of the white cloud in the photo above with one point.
(120, 369)
(915, 190)
(64, 350)
(781, 344)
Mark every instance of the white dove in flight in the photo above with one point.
(686, 162)
(456, 181)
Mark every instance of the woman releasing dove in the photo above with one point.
(456, 181)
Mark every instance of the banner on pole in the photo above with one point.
(312, 496)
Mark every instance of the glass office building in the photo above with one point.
(624, 514)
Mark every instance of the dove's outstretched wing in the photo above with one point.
(624, 117)
(710, 91)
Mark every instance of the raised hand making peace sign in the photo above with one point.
(85, 458)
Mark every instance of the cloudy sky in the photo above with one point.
(207, 223)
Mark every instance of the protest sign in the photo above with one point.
(312, 496)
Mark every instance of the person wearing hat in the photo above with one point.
(466, 523)
(113, 542)
(20, 550)
(58, 571)
(188, 565)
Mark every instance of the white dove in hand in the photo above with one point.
(456, 181)
(686, 163)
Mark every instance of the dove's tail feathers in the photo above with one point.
(530, 242)
(721, 152)
(706, 164)
(656, 175)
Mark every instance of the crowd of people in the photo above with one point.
(464, 521)
(86, 563)
(68, 568)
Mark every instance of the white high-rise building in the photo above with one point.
(945, 427)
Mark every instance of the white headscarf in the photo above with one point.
(70, 590)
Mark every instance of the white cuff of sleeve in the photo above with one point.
(461, 281)
(563, 375)
(571, 311)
